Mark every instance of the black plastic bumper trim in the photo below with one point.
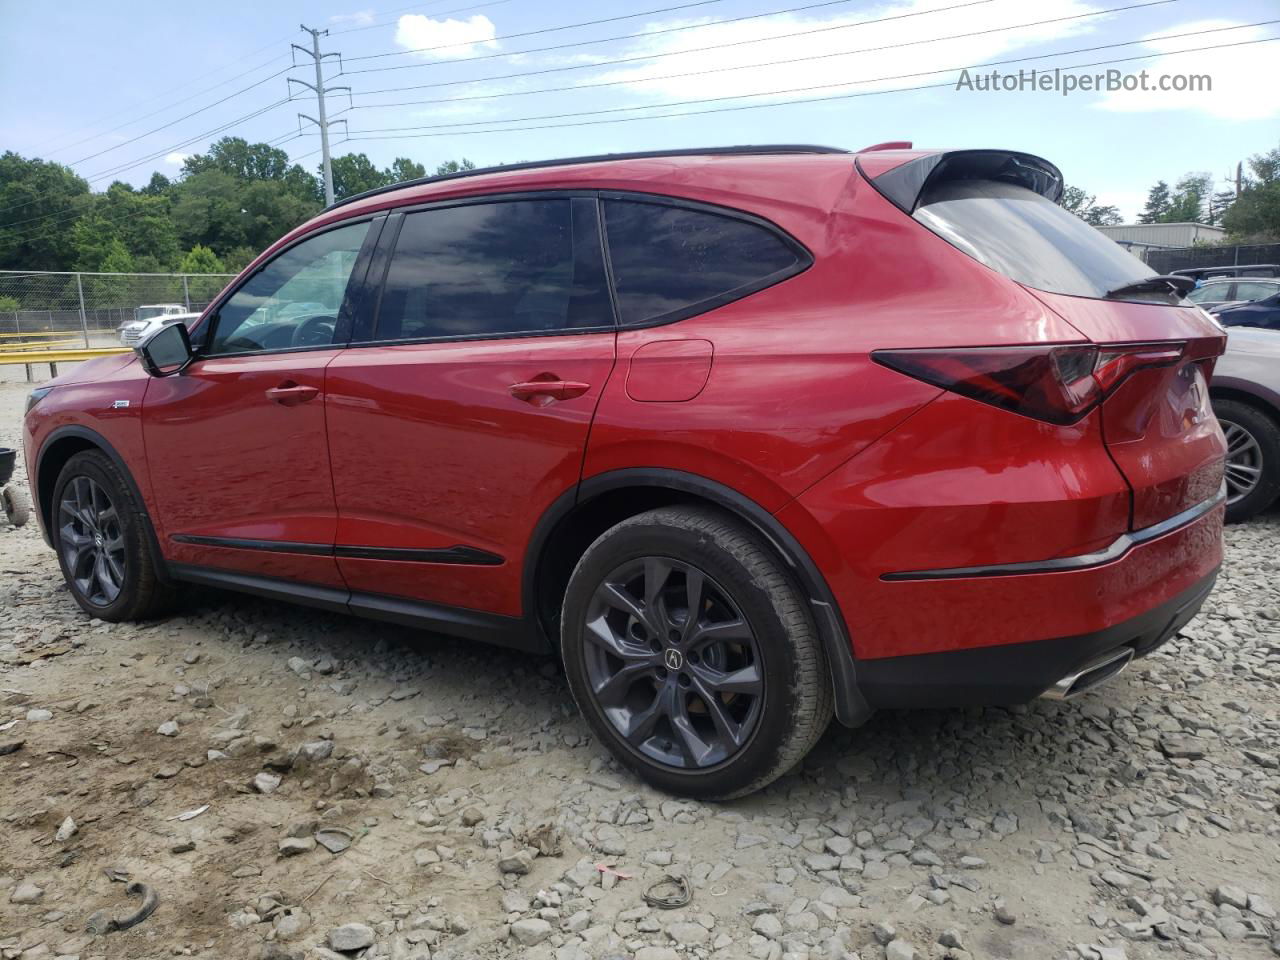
(1082, 561)
(1017, 672)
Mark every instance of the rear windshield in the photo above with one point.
(1029, 239)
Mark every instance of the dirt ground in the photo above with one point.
(218, 757)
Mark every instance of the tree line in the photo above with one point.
(225, 207)
(228, 204)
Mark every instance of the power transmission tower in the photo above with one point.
(320, 90)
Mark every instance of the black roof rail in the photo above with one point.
(746, 150)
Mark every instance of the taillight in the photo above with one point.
(1055, 383)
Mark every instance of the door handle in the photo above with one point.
(290, 394)
(550, 389)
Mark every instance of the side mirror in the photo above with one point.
(167, 351)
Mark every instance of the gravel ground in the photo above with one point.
(296, 784)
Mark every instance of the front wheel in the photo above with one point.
(103, 545)
(1253, 458)
(692, 654)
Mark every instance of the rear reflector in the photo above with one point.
(1058, 384)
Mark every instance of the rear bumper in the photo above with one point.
(1018, 672)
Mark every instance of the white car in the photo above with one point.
(133, 332)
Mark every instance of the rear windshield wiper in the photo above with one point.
(1180, 286)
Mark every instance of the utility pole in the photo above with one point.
(319, 89)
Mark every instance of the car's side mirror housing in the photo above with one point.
(167, 351)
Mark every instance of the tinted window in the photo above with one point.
(1028, 238)
(484, 269)
(1210, 292)
(669, 261)
(295, 300)
(1254, 290)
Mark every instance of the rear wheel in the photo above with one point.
(100, 534)
(1253, 458)
(692, 654)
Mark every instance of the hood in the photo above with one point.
(94, 369)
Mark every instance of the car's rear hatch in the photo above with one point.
(1156, 351)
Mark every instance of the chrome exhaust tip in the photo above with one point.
(1090, 675)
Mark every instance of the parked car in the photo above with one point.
(132, 332)
(1214, 295)
(1214, 273)
(1262, 312)
(1246, 398)
(697, 422)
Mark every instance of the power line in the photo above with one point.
(356, 135)
(754, 66)
(818, 86)
(165, 126)
(532, 33)
(669, 30)
(220, 83)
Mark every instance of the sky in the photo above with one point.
(119, 90)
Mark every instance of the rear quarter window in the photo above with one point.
(671, 261)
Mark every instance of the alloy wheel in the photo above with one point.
(92, 541)
(1244, 461)
(673, 664)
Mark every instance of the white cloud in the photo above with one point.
(834, 37)
(446, 39)
(361, 18)
(1242, 77)
(175, 159)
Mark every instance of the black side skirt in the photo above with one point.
(455, 621)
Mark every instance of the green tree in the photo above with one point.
(1084, 205)
(402, 169)
(39, 202)
(1255, 214)
(116, 259)
(454, 166)
(9, 304)
(355, 173)
(1190, 199)
(158, 186)
(1157, 204)
(1219, 203)
(207, 210)
(238, 258)
(200, 259)
(240, 158)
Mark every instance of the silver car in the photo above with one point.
(133, 332)
(1246, 398)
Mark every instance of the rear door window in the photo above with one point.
(672, 261)
(1253, 290)
(1029, 238)
(498, 268)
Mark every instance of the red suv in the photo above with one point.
(746, 436)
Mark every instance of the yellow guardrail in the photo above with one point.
(37, 334)
(61, 356)
(55, 357)
(39, 345)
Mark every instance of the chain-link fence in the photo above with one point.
(94, 304)
(1239, 255)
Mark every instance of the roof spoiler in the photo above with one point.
(904, 185)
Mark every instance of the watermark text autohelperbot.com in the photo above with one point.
(1060, 82)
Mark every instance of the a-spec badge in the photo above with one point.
(119, 404)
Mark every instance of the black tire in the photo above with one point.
(1243, 420)
(738, 581)
(141, 595)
